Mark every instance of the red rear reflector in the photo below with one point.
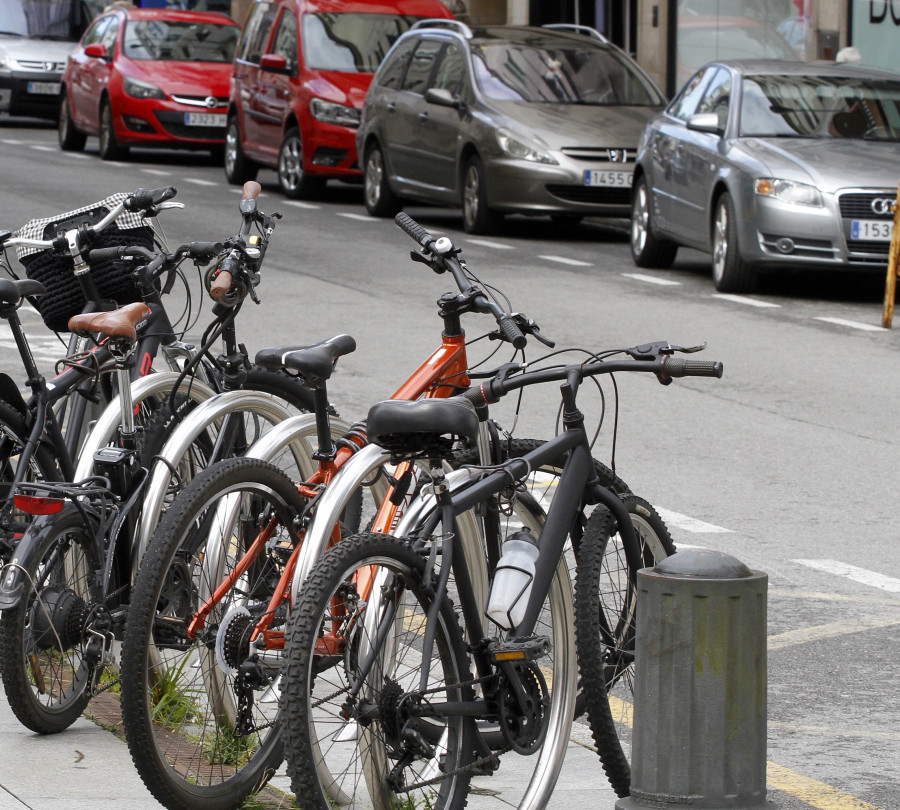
(38, 506)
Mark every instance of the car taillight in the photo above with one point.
(38, 506)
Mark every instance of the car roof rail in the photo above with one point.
(593, 33)
(443, 22)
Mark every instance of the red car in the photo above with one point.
(149, 77)
(301, 74)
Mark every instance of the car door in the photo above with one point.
(438, 127)
(272, 90)
(245, 71)
(86, 73)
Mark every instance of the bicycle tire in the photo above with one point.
(605, 611)
(14, 435)
(179, 705)
(45, 664)
(366, 782)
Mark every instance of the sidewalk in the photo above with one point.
(89, 768)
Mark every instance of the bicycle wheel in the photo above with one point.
(49, 660)
(357, 739)
(605, 611)
(200, 708)
(42, 466)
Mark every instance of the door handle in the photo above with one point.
(391, 107)
(423, 117)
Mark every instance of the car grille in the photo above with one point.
(38, 66)
(858, 205)
(600, 154)
(200, 101)
(173, 123)
(594, 195)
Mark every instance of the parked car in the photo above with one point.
(300, 77)
(33, 51)
(154, 77)
(771, 165)
(504, 119)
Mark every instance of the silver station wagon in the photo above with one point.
(771, 165)
(504, 119)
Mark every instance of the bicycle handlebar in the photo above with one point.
(444, 253)
(142, 199)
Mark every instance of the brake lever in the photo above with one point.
(502, 373)
(650, 351)
(163, 206)
(529, 327)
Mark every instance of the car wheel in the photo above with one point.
(647, 250)
(238, 167)
(477, 217)
(731, 274)
(380, 200)
(109, 148)
(294, 181)
(70, 139)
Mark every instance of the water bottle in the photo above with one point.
(511, 587)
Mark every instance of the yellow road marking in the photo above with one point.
(817, 794)
(822, 631)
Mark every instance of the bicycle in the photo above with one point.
(409, 706)
(202, 650)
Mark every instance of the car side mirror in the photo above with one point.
(706, 122)
(96, 50)
(442, 97)
(274, 63)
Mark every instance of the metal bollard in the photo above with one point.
(700, 686)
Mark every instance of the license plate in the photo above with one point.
(871, 230)
(43, 88)
(594, 177)
(204, 119)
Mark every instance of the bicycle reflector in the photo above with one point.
(33, 505)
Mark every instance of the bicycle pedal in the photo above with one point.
(520, 649)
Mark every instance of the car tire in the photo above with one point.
(110, 149)
(647, 249)
(238, 167)
(380, 200)
(70, 138)
(477, 216)
(731, 273)
(295, 183)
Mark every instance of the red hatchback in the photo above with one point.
(149, 77)
(300, 78)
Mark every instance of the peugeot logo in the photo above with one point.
(49, 66)
(616, 155)
(211, 102)
(882, 205)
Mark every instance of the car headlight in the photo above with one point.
(137, 89)
(517, 148)
(330, 113)
(788, 191)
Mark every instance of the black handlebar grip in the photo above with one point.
(680, 367)
(141, 199)
(413, 229)
(204, 251)
(512, 332)
(107, 254)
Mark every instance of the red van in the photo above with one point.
(300, 76)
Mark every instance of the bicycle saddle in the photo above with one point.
(118, 323)
(415, 427)
(315, 362)
(11, 292)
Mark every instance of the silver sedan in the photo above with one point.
(768, 166)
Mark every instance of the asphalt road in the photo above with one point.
(790, 462)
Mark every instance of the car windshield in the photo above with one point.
(62, 20)
(168, 40)
(820, 107)
(351, 43)
(562, 74)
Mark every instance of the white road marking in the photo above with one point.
(488, 244)
(750, 302)
(862, 575)
(45, 348)
(688, 524)
(158, 172)
(40, 147)
(662, 282)
(566, 260)
(198, 182)
(78, 156)
(359, 217)
(12, 142)
(866, 327)
(298, 204)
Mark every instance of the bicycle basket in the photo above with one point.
(64, 297)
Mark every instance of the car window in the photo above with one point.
(419, 71)
(717, 97)
(95, 32)
(560, 72)
(108, 38)
(285, 42)
(684, 105)
(256, 32)
(350, 42)
(390, 75)
(451, 70)
(179, 41)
